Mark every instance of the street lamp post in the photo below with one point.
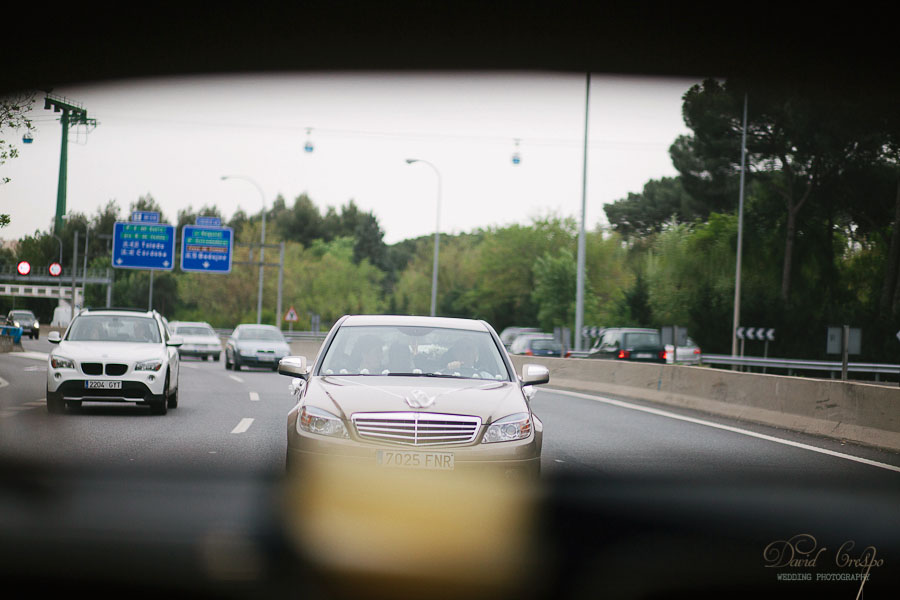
(437, 234)
(262, 246)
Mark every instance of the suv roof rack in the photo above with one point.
(126, 308)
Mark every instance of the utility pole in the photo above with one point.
(72, 114)
(579, 290)
(74, 274)
(740, 241)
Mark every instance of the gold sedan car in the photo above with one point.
(423, 393)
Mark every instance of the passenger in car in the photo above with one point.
(463, 355)
(368, 355)
(400, 358)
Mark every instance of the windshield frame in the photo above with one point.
(80, 321)
(496, 346)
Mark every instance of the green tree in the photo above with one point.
(647, 212)
(14, 111)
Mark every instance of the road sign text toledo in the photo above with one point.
(206, 249)
(143, 246)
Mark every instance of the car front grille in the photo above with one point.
(416, 429)
(92, 368)
(116, 369)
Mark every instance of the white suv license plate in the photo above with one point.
(643, 355)
(266, 357)
(103, 385)
(435, 461)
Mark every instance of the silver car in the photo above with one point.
(200, 339)
(426, 393)
(255, 346)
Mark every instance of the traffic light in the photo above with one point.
(55, 269)
(24, 267)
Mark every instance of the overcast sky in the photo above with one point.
(174, 139)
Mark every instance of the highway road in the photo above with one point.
(602, 456)
(235, 421)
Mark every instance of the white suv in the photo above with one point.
(114, 355)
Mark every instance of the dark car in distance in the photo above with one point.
(26, 320)
(537, 345)
(632, 344)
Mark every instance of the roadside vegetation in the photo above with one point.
(821, 241)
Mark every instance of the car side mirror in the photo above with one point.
(175, 341)
(54, 337)
(535, 374)
(293, 366)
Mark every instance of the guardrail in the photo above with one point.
(791, 365)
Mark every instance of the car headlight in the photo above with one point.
(16, 324)
(37, 325)
(508, 429)
(58, 362)
(321, 422)
(149, 365)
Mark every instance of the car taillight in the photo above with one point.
(568, 353)
(664, 355)
(624, 354)
(696, 350)
(529, 352)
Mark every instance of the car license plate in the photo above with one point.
(266, 357)
(103, 385)
(437, 461)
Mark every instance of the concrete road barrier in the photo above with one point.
(858, 412)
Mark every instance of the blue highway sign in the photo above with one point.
(143, 216)
(206, 249)
(143, 246)
(209, 222)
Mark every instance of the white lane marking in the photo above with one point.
(3, 382)
(41, 402)
(760, 436)
(236, 378)
(41, 368)
(243, 426)
(32, 355)
(6, 413)
(188, 366)
(254, 397)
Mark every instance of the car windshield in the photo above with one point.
(194, 330)
(22, 314)
(420, 351)
(105, 328)
(260, 335)
(546, 344)
(641, 339)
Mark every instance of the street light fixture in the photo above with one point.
(437, 234)
(262, 247)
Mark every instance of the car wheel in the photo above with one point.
(159, 405)
(237, 363)
(216, 357)
(227, 362)
(172, 402)
(205, 357)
